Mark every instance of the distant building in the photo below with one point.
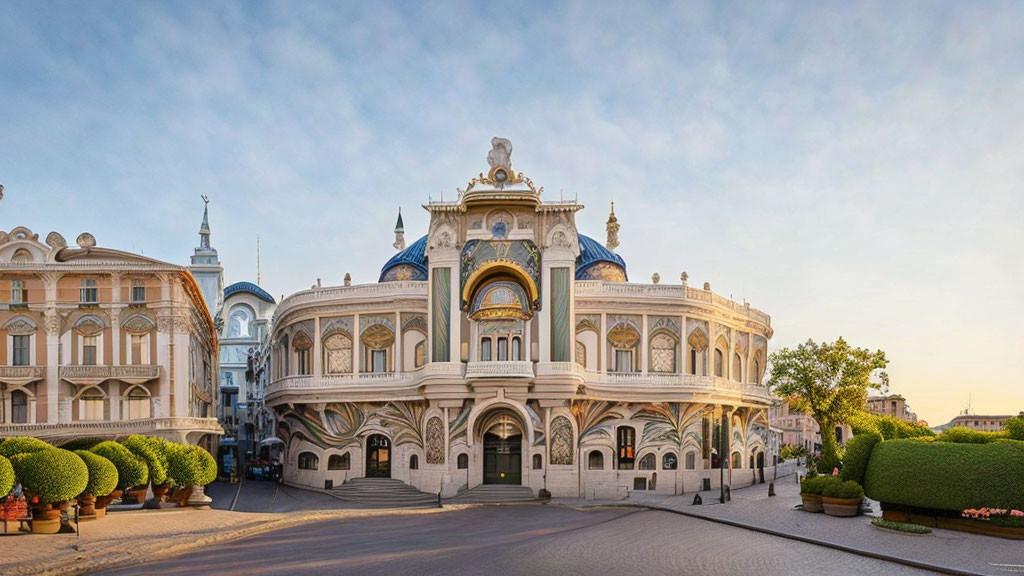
(206, 266)
(976, 422)
(893, 405)
(100, 343)
(799, 429)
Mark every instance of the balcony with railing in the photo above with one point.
(668, 291)
(499, 369)
(688, 381)
(90, 375)
(112, 428)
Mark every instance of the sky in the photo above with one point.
(852, 169)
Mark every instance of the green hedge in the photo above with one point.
(53, 475)
(817, 484)
(1015, 427)
(947, 475)
(81, 444)
(6, 477)
(848, 489)
(190, 465)
(889, 427)
(153, 451)
(21, 445)
(857, 455)
(131, 470)
(962, 435)
(102, 474)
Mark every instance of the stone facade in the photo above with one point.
(893, 405)
(96, 342)
(505, 347)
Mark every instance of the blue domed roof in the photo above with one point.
(250, 288)
(591, 253)
(414, 256)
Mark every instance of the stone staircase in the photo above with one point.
(383, 493)
(494, 494)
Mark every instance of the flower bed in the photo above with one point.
(987, 521)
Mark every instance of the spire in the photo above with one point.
(612, 226)
(399, 232)
(204, 229)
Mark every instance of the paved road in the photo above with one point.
(525, 539)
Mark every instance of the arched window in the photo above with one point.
(462, 462)
(737, 460)
(285, 354)
(623, 339)
(91, 405)
(19, 407)
(136, 404)
(502, 349)
(421, 354)
(626, 447)
(308, 461)
(737, 367)
(595, 460)
(648, 462)
(669, 461)
(663, 353)
(339, 462)
(239, 322)
(302, 345)
(691, 461)
(338, 353)
(698, 344)
(414, 462)
(538, 462)
(517, 348)
(719, 363)
(485, 349)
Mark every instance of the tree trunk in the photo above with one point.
(829, 447)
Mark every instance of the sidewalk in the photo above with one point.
(943, 551)
(125, 538)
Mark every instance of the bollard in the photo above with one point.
(697, 500)
(439, 500)
(728, 494)
(771, 489)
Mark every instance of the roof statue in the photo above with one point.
(613, 230)
(500, 154)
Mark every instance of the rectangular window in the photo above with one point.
(136, 349)
(89, 293)
(485, 350)
(502, 349)
(22, 356)
(380, 360)
(623, 360)
(136, 408)
(90, 408)
(19, 408)
(626, 447)
(138, 292)
(18, 295)
(88, 350)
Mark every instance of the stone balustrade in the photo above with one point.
(111, 429)
(342, 293)
(500, 369)
(99, 373)
(22, 373)
(598, 288)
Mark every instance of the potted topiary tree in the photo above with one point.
(152, 451)
(50, 477)
(102, 481)
(810, 493)
(131, 470)
(842, 498)
(190, 468)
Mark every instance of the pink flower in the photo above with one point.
(1017, 513)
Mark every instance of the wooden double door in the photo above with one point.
(503, 459)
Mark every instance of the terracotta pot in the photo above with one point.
(160, 491)
(45, 519)
(812, 502)
(182, 495)
(841, 506)
(103, 501)
(101, 512)
(86, 507)
(136, 496)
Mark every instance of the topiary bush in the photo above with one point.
(817, 485)
(962, 435)
(131, 470)
(848, 489)
(153, 451)
(947, 475)
(190, 465)
(889, 427)
(53, 475)
(102, 474)
(1015, 427)
(6, 476)
(21, 445)
(81, 444)
(858, 453)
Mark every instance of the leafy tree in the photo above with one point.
(830, 382)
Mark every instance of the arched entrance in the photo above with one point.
(503, 448)
(378, 456)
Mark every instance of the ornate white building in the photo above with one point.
(96, 342)
(505, 347)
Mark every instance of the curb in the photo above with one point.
(805, 539)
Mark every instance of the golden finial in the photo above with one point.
(612, 227)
